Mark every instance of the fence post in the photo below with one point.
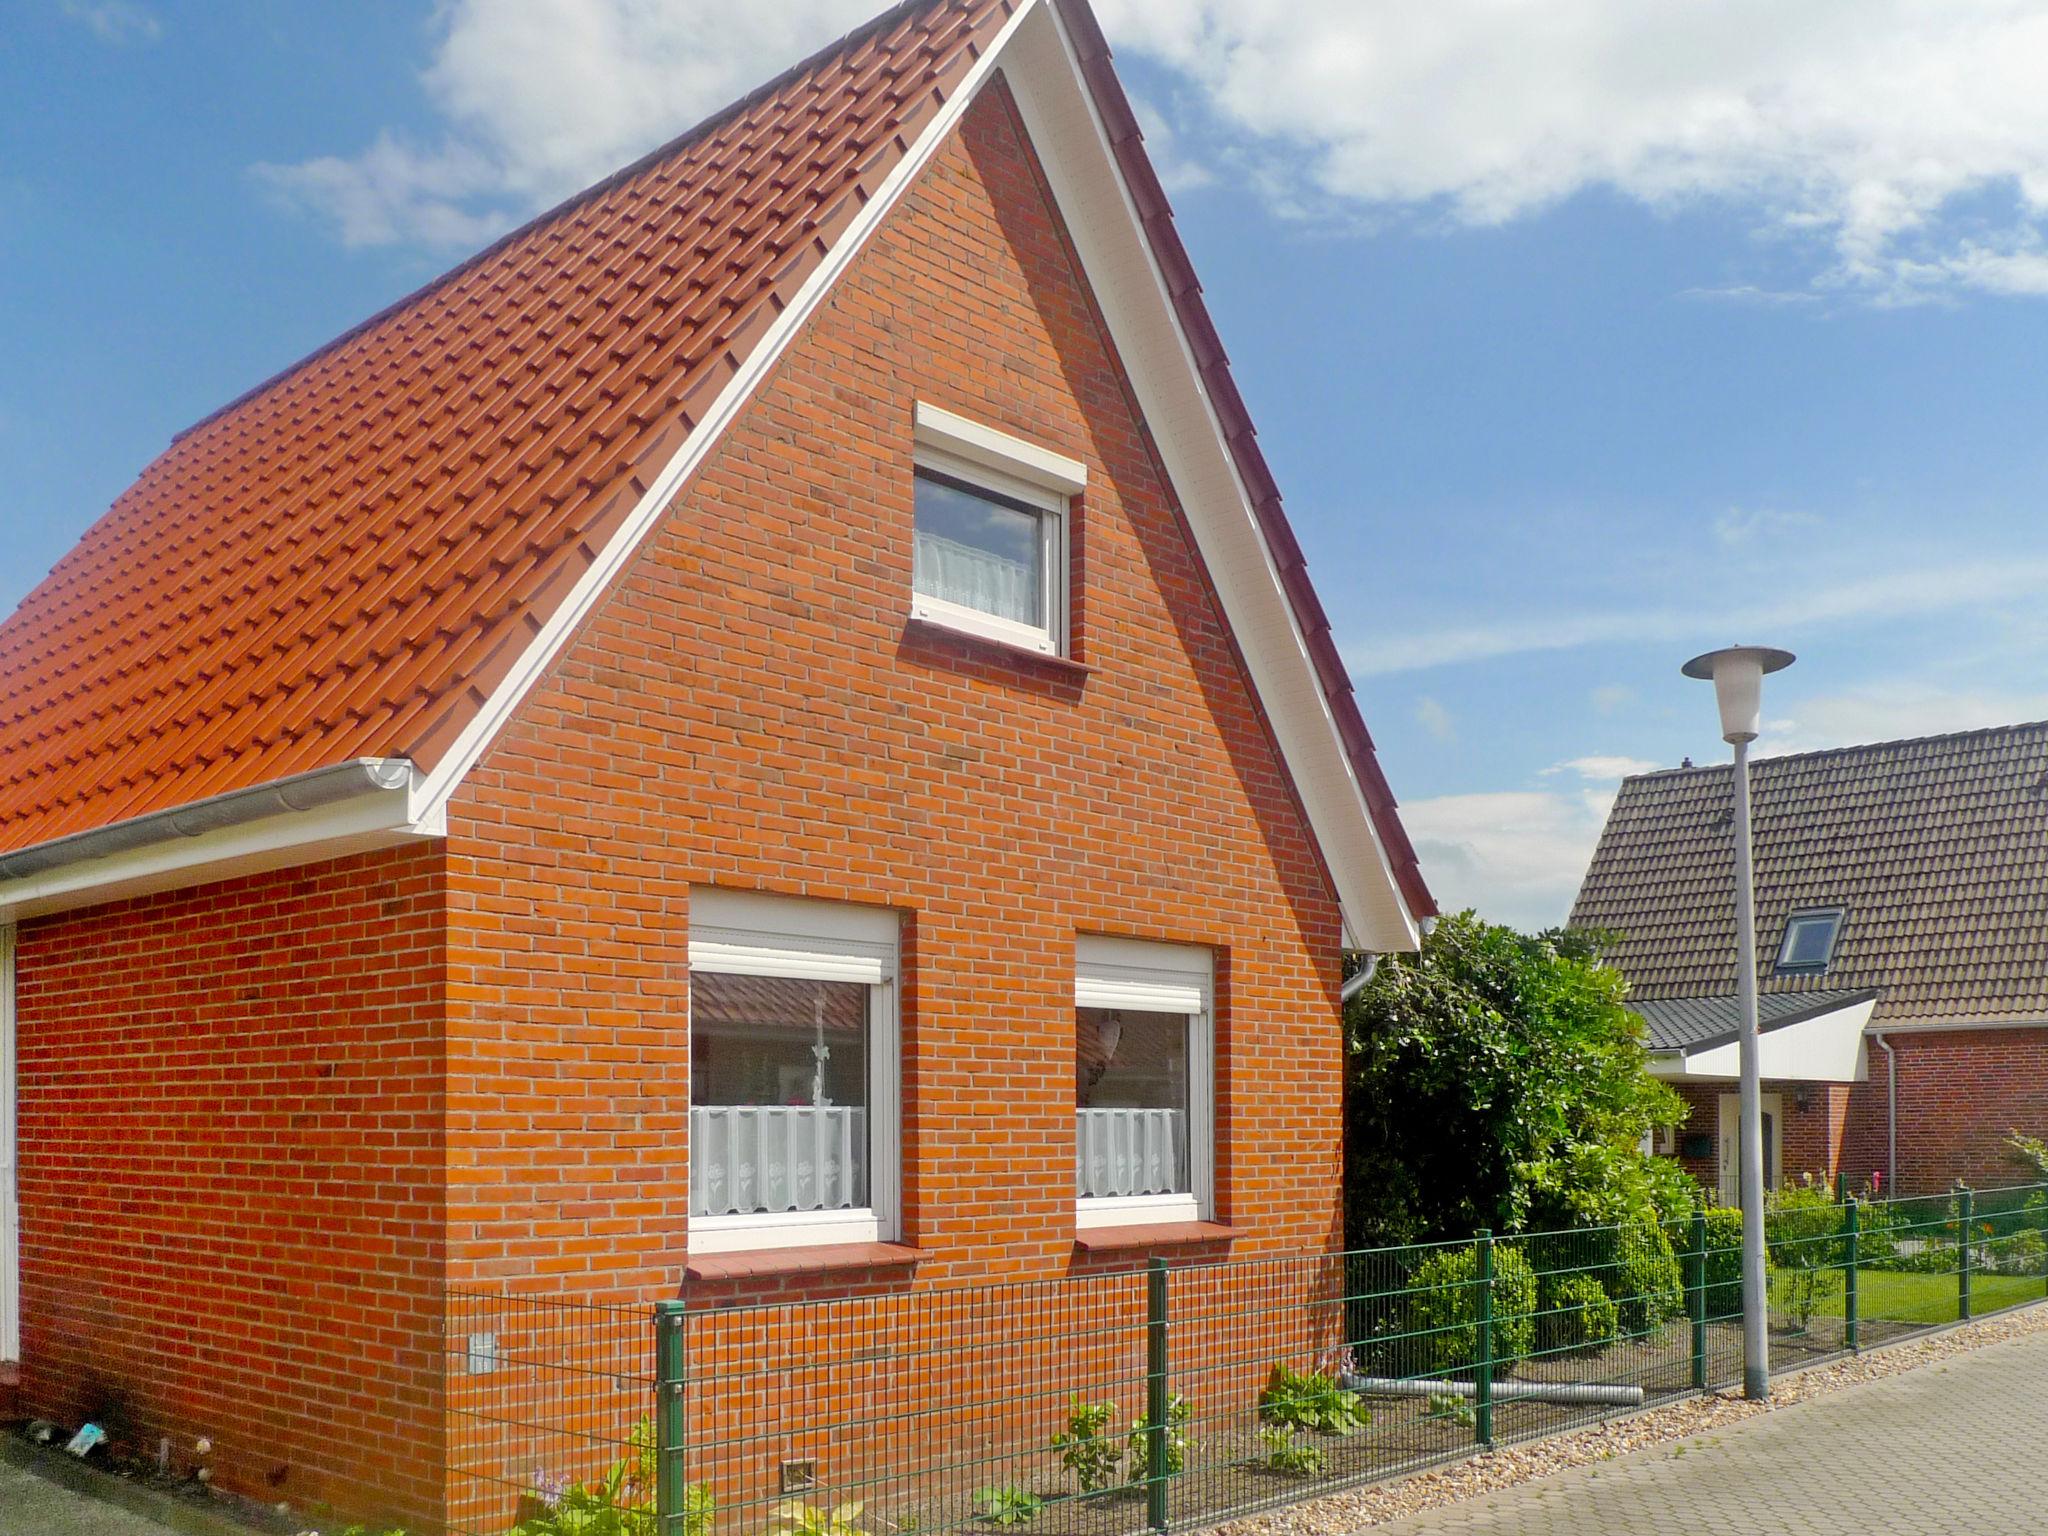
(1852, 1216)
(1965, 1207)
(1841, 1187)
(670, 1374)
(1696, 1302)
(1482, 1386)
(1156, 1401)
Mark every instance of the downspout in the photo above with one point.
(1356, 984)
(1891, 1114)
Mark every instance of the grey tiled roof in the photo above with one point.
(1682, 1023)
(1937, 847)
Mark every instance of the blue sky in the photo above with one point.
(1575, 354)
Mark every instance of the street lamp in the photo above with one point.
(1738, 676)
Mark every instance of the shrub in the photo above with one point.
(1088, 1447)
(1443, 1307)
(1644, 1281)
(1724, 1262)
(1577, 1313)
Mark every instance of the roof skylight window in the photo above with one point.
(1809, 942)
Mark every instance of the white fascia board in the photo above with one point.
(1827, 1048)
(1962, 1024)
(378, 818)
(1073, 146)
(447, 776)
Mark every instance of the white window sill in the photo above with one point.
(807, 1229)
(1137, 1211)
(982, 626)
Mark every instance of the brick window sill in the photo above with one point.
(1156, 1234)
(820, 1259)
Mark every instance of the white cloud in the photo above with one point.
(1178, 172)
(1736, 527)
(1610, 698)
(1435, 719)
(1858, 125)
(1891, 713)
(115, 21)
(1515, 857)
(1910, 590)
(540, 98)
(1603, 770)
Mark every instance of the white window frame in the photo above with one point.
(745, 933)
(1142, 976)
(984, 458)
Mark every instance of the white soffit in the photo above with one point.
(1827, 1048)
(1059, 113)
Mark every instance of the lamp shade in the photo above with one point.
(1737, 673)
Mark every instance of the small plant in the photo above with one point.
(1087, 1446)
(1283, 1454)
(1448, 1405)
(1008, 1506)
(2030, 1152)
(1179, 1414)
(793, 1517)
(1310, 1400)
(618, 1503)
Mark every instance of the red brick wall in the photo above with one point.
(231, 1191)
(1961, 1092)
(748, 707)
(1810, 1139)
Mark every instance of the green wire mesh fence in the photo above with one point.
(1171, 1396)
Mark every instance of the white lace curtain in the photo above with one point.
(975, 578)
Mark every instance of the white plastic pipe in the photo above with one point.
(1565, 1393)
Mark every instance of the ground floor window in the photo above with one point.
(1142, 1082)
(793, 1072)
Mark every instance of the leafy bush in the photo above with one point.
(1577, 1313)
(2031, 1153)
(1088, 1447)
(1496, 1079)
(1644, 1280)
(1310, 1400)
(1724, 1262)
(2024, 1253)
(1443, 1307)
(1179, 1414)
(1008, 1506)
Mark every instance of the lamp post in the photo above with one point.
(1737, 674)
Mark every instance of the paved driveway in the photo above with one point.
(1948, 1449)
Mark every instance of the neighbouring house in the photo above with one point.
(764, 735)
(1902, 954)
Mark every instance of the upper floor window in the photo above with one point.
(989, 554)
(1809, 943)
(1143, 1096)
(793, 1072)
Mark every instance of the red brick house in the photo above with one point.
(765, 731)
(1902, 953)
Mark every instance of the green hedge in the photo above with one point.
(1577, 1313)
(1443, 1307)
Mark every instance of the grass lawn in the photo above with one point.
(1887, 1297)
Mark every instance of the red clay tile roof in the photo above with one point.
(1937, 848)
(347, 560)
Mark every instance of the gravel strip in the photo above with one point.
(1341, 1513)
